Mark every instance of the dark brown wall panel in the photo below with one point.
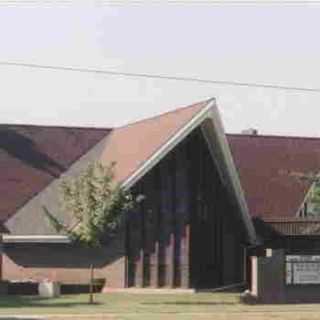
(168, 211)
(211, 214)
(180, 238)
(182, 208)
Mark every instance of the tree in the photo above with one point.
(313, 199)
(97, 205)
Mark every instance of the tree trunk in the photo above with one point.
(91, 283)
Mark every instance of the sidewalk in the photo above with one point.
(21, 317)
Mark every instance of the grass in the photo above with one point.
(200, 306)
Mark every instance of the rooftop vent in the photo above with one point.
(251, 131)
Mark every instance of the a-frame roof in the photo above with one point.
(135, 149)
(32, 157)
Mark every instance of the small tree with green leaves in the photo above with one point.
(313, 199)
(97, 205)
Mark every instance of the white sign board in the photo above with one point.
(303, 269)
(302, 258)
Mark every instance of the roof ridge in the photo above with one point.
(165, 113)
(108, 128)
(272, 136)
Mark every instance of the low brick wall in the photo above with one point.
(64, 263)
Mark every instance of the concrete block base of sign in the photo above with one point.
(48, 289)
(248, 298)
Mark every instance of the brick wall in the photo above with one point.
(64, 263)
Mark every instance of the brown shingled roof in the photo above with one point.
(264, 164)
(130, 146)
(33, 156)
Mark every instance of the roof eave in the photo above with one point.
(7, 238)
(229, 172)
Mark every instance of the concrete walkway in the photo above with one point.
(21, 317)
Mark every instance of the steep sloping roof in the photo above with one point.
(265, 165)
(131, 146)
(33, 156)
(138, 147)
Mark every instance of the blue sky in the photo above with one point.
(275, 44)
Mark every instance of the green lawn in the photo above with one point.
(221, 306)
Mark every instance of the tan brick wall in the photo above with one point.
(64, 263)
(114, 273)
